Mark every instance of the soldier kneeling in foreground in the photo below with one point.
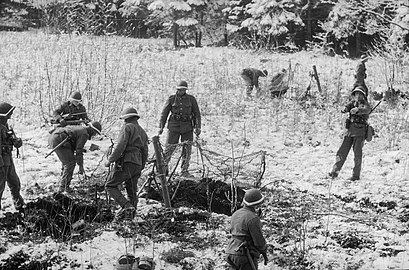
(247, 241)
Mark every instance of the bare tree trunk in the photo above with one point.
(175, 35)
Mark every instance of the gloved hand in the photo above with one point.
(17, 142)
(198, 131)
(354, 110)
(63, 123)
(81, 169)
(107, 163)
(265, 258)
(160, 131)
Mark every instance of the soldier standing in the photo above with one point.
(7, 170)
(71, 112)
(184, 119)
(247, 241)
(129, 156)
(71, 151)
(250, 77)
(355, 133)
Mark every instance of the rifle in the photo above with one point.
(375, 106)
(57, 146)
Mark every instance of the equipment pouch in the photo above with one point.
(369, 133)
(347, 123)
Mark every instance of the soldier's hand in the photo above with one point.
(198, 131)
(354, 110)
(160, 131)
(81, 170)
(17, 142)
(265, 258)
(107, 163)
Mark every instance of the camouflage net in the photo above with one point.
(245, 168)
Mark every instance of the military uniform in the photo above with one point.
(354, 136)
(184, 118)
(246, 234)
(72, 151)
(7, 170)
(129, 156)
(68, 111)
(250, 76)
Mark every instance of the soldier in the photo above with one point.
(247, 241)
(360, 74)
(7, 170)
(355, 133)
(129, 156)
(250, 76)
(71, 112)
(183, 121)
(71, 152)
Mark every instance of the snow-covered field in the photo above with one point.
(332, 224)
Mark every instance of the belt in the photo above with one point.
(183, 118)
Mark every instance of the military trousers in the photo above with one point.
(13, 181)
(249, 84)
(240, 262)
(129, 174)
(68, 160)
(357, 143)
(171, 144)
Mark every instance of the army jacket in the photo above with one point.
(246, 227)
(184, 113)
(359, 120)
(253, 74)
(132, 144)
(68, 111)
(78, 136)
(6, 145)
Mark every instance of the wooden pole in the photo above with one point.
(317, 78)
(160, 167)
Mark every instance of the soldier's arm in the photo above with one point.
(255, 78)
(58, 112)
(121, 144)
(81, 139)
(145, 151)
(364, 108)
(257, 235)
(196, 113)
(165, 112)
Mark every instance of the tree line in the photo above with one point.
(342, 26)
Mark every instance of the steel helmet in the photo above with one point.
(96, 126)
(182, 85)
(360, 89)
(76, 96)
(128, 113)
(6, 109)
(253, 197)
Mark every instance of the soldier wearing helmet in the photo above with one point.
(71, 112)
(129, 156)
(250, 77)
(184, 119)
(354, 137)
(8, 140)
(247, 242)
(71, 152)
